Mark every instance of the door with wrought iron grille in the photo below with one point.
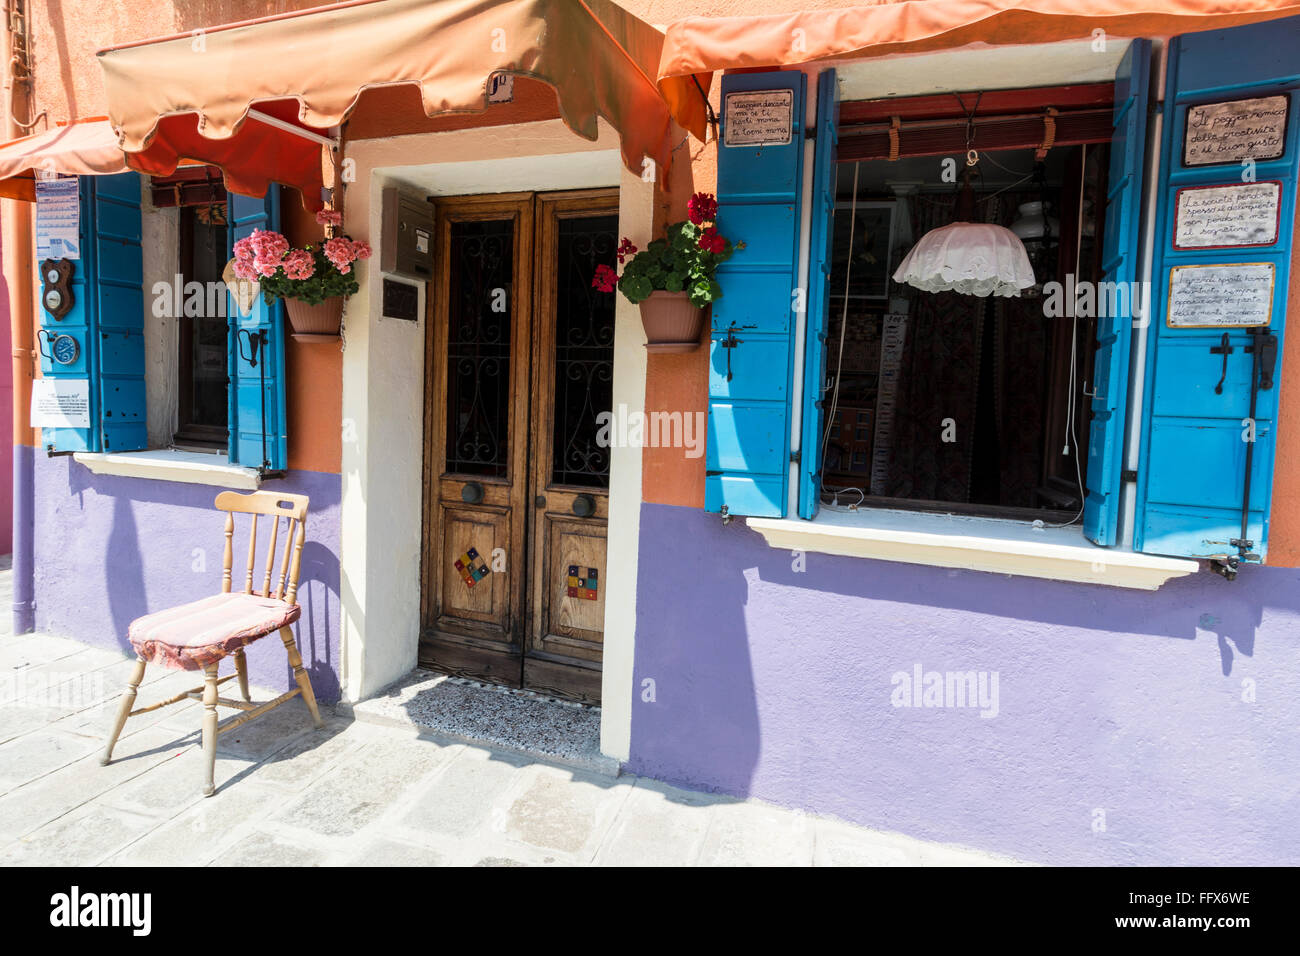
(520, 370)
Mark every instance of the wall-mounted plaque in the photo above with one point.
(760, 118)
(61, 403)
(1220, 296)
(1236, 130)
(1216, 217)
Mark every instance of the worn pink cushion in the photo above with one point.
(200, 633)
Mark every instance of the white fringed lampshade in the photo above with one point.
(970, 258)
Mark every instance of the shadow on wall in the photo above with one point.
(111, 549)
(1123, 725)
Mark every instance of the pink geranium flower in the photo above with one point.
(329, 217)
(339, 251)
(268, 247)
(299, 264)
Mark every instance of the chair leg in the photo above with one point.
(300, 675)
(241, 668)
(209, 729)
(124, 709)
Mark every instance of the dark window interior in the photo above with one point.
(203, 360)
(481, 274)
(952, 402)
(584, 351)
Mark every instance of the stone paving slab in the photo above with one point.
(402, 783)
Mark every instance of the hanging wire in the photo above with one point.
(844, 312)
(1074, 352)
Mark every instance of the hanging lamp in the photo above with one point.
(972, 258)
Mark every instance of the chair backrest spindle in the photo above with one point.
(292, 596)
(229, 557)
(270, 557)
(252, 556)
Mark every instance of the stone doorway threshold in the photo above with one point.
(486, 715)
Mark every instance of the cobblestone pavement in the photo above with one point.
(352, 793)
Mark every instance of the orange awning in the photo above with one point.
(696, 47)
(88, 148)
(189, 96)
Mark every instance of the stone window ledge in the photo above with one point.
(978, 544)
(167, 464)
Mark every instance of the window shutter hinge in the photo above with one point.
(1128, 474)
(794, 457)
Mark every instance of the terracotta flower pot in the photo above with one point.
(672, 322)
(315, 323)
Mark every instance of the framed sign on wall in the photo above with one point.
(758, 118)
(1237, 295)
(1236, 130)
(1228, 216)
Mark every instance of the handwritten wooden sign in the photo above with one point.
(1220, 296)
(1215, 217)
(1236, 130)
(761, 118)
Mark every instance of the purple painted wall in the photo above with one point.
(1171, 717)
(110, 549)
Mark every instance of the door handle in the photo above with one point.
(472, 493)
(1224, 349)
(540, 501)
(584, 506)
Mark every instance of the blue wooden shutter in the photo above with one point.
(107, 320)
(1121, 237)
(747, 463)
(819, 273)
(80, 324)
(1191, 476)
(256, 396)
(119, 308)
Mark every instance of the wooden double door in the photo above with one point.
(519, 371)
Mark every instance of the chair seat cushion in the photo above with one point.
(195, 635)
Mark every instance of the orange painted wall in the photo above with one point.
(1284, 533)
(314, 373)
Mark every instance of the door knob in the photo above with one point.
(471, 493)
(540, 501)
(584, 506)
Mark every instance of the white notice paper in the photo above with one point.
(61, 403)
(58, 219)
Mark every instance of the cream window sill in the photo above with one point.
(166, 464)
(976, 544)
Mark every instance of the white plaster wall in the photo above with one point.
(635, 221)
(383, 390)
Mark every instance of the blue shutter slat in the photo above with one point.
(819, 272)
(1120, 251)
(1191, 475)
(119, 306)
(748, 453)
(259, 391)
(80, 324)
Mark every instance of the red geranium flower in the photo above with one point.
(625, 249)
(605, 278)
(702, 208)
(710, 241)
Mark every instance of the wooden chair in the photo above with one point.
(198, 635)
